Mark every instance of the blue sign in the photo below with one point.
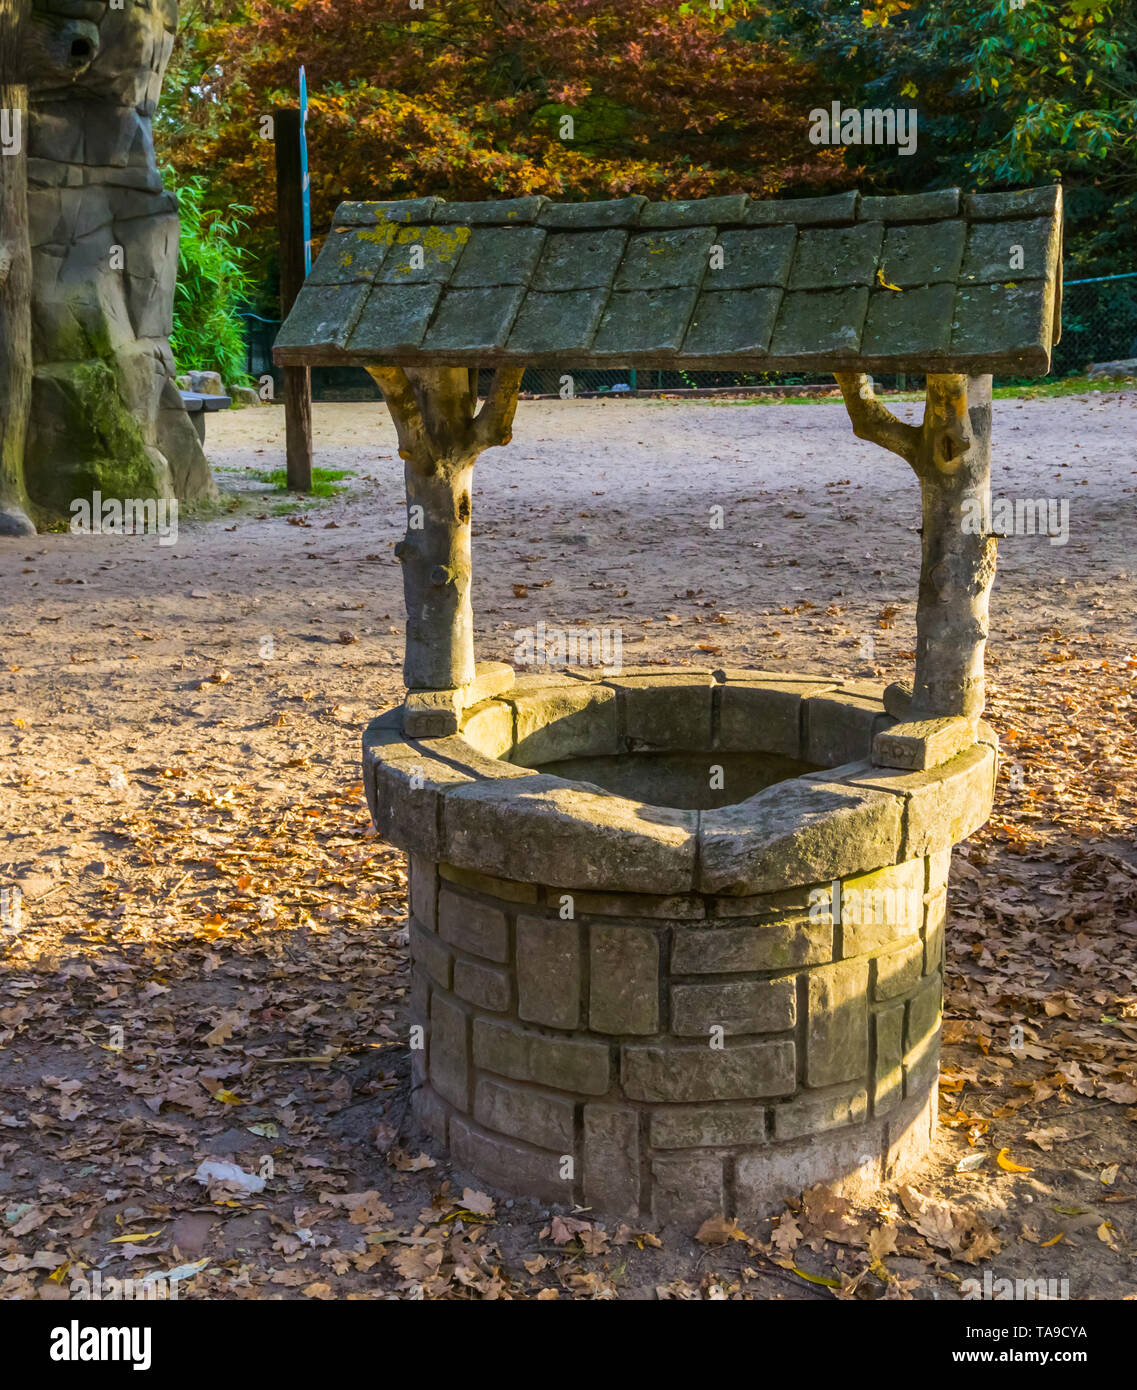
(305, 191)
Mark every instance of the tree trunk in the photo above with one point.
(15, 276)
(958, 564)
(441, 433)
(437, 568)
(951, 455)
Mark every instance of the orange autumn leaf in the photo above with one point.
(1008, 1165)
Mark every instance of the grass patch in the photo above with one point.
(326, 482)
(1068, 386)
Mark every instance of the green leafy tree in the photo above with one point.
(1009, 93)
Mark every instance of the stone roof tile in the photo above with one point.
(917, 322)
(699, 212)
(998, 319)
(1006, 251)
(368, 214)
(323, 316)
(911, 207)
(580, 260)
(645, 321)
(474, 319)
(820, 323)
(395, 318)
(923, 254)
(620, 212)
(836, 256)
(753, 256)
(726, 322)
(805, 212)
(507, 212)
(659, 259)
(420, 254)
(568, 318)
(351, 254)
(1031, 202)
(499, 256)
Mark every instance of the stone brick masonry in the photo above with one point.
(657, 1068)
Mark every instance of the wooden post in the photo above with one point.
(957, 559)
(441, 433)
(15, 274)
(950, 453)
(290, 232)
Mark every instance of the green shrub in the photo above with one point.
(214, 285)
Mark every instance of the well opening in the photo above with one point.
(684, 780)
(673, 754)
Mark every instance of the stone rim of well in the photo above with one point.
(459, 799)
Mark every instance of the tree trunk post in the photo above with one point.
(951, 456)
(287, 134)
(441, 433)
(436, 561)
(957, 562)
(15, 275)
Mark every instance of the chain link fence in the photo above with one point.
(1099, 324)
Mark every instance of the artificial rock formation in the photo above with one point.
(15, 274)
(105, 412)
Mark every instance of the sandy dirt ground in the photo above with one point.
(210, 958)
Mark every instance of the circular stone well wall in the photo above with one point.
(663, 1013)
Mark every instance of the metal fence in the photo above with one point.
(1099, 324)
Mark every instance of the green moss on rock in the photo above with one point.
(84, 438)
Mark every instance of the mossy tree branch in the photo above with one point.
(493, 424)
(872, 420)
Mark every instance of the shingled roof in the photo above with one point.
(912, 283)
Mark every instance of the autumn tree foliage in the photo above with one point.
(467, 99)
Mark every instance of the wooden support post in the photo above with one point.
(290, 231)
(441, 433)
(15, 274)
(951, 455)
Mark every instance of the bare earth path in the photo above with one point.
(210, 962)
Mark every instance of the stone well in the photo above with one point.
(676, 940)
(677, 935)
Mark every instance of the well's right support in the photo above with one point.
(951, 455)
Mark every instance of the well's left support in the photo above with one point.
(441, 433)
